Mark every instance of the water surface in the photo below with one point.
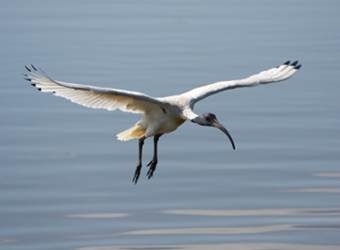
(65, 179)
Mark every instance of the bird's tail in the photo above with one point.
(135, 132)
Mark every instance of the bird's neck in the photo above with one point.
(189, 114)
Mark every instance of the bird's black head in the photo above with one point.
(209, 119)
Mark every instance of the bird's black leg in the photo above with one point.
(139, 164)
(153, 162)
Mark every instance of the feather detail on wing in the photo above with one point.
(277, 74)
(91, 96)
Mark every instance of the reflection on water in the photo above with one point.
(259, 212)
(318, 190)
(310, 212)
(313, 190)
(98, 215)
(4, 241)
(335, 175)
(236, 230)
(227, 246)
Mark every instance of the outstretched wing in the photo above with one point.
(280, 73)
(91, 96)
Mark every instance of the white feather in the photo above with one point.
(95, 97)
(271, 75)
(163, 115)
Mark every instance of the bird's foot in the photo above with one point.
(137, 173)
(152, 164)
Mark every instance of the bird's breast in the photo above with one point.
(171, 124)
(163, 120)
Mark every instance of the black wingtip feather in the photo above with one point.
(28, 68)
(39, 89)
(294, 63)
(298, 67)
(28, 79)
(287, 63)
(33, 84)
(33, 67)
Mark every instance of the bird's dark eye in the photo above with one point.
(209, 117)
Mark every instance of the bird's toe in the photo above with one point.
(137, 174)
(152, 164)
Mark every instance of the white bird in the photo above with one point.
(162, 115)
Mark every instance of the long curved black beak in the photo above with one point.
(218, 125)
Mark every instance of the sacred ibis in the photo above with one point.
(162, 114)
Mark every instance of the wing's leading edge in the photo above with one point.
(277, 74)
(91, 96)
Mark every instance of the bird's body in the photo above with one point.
(162, 115)
(164, 118)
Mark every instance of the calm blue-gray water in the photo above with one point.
(66, 182)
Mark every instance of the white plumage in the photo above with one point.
(162, 115)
